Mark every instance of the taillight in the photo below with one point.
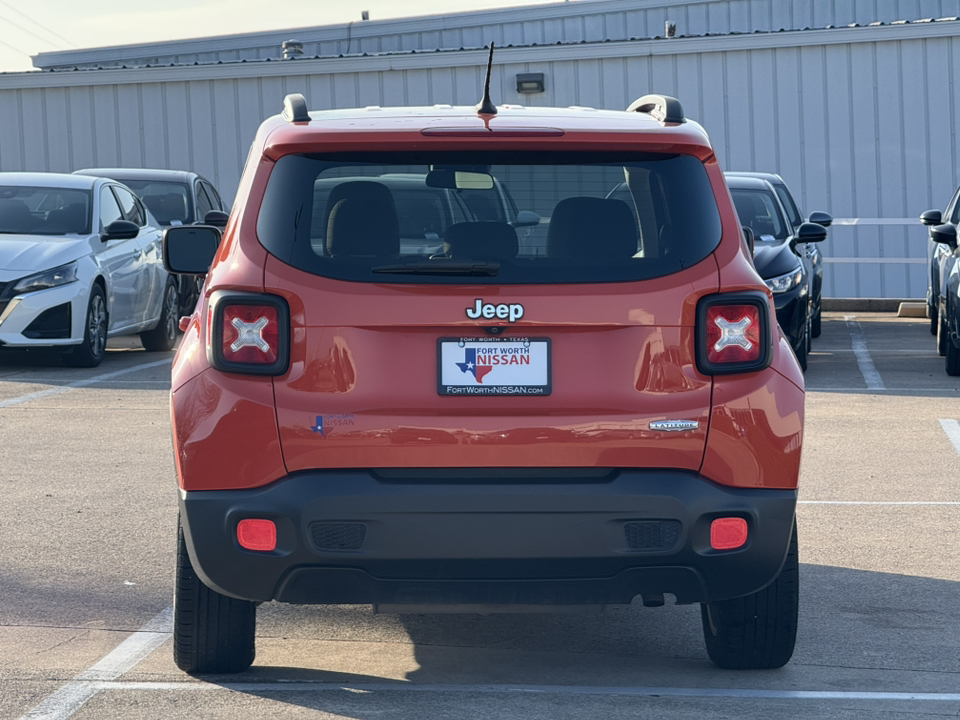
(734, 334)
(250, 333)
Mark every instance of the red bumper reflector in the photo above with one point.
(257, 534)
(728, 533)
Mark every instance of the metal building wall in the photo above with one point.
(568, 22)
(860, 122)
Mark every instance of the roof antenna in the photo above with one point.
(486, 106)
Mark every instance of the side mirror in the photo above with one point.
(120, 230)
(931, 218)
(821, 218)
(748, 236)
(810, 232)
(217, 218)
(526, 218)
(190, 249)
(946, 234)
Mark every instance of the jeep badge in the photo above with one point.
(512, 312)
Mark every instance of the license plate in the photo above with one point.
(491, 366)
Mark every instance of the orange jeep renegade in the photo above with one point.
(435, 364)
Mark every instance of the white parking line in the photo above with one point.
(905, 390)
(103, 675)
(891, 503)
(71, 697)
(734, 693)
(48, 381)
(952, 429)
(898, 351)
(869, 372)
(81, 383)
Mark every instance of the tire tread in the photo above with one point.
(758, 631)
(81, 356)
(156, 339)
(953, 358)
(213, 633)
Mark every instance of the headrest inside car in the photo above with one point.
(362, 220)
(588, 227)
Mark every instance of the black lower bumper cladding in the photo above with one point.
(434, 536)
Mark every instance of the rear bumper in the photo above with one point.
(381, 537)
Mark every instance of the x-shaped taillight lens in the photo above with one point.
(733, 334)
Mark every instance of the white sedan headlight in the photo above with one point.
(785, 283)
(62, 275)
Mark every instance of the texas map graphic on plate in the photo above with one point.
(470, 365)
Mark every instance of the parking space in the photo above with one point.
(88, 525)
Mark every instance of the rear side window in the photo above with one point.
(499, 218)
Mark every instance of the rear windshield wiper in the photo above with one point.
(441, 266)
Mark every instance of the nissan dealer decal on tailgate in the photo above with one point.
(488, 366)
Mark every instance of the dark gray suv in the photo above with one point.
(808, 252)
(174, 197)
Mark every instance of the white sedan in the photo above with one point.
(80, 261)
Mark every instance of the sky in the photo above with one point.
(31, 26)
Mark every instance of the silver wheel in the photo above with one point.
(97, 326)
(171, 302)
(163, 336)
(92, 349)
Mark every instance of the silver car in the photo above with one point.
(80, 261)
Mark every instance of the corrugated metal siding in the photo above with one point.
(861, 123)
(569, 22)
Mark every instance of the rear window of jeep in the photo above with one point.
(490, 217)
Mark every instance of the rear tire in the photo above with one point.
(815, 325)
(953, 358)
(804, 345)
(212, 633)
(760, 630)
(164, 336)
(90, 352)
(941, 337)
(932, 314)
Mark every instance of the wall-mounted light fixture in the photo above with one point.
(530, 83)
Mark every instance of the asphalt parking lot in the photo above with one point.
(88, 526)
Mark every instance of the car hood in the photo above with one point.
(41, 252)
(774, 260)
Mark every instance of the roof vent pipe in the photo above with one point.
(292, 49)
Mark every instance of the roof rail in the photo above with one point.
(295, 108)
(663, 108)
